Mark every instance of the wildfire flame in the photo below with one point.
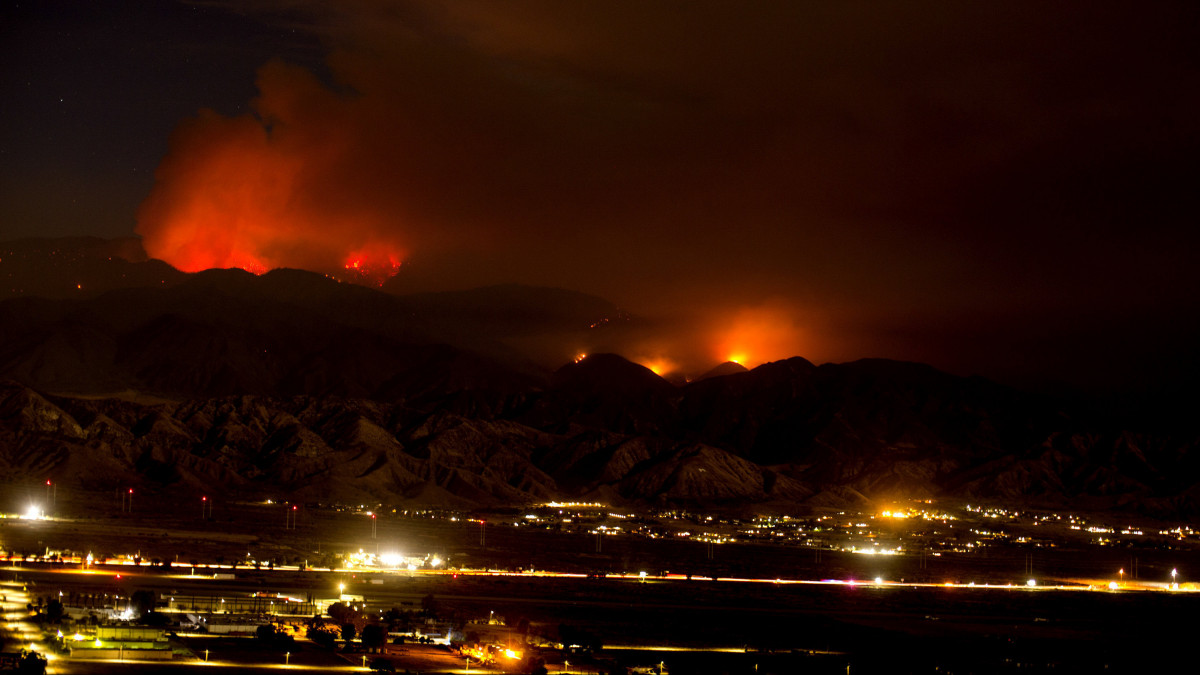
(757, 334)
(373, 267)
(272, 189)
(659, 365)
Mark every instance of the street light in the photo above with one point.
(287, 658)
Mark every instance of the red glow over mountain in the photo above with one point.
(263, 191)
(370, 267)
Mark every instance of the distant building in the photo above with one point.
(124, 642)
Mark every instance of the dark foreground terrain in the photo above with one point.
(731, 627)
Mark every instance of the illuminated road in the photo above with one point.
(121, 570)
(17, 624)
(856, 602)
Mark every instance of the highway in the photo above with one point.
(826, 609)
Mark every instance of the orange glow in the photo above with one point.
(755, 335)
(659, 365)
(371, 265)
(263, 191)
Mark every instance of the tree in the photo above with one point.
(341, 612)
(325, 636)
(265, 632)
(429, 605)
(54, 610)
(143, 601)
(348, 631)
(31, 663)
(374, 636)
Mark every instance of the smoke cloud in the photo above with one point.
(831, 180)
(277, 188)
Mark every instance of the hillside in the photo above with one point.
(294, 384)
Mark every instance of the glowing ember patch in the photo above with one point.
(373, 267)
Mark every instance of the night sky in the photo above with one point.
(1005, 188)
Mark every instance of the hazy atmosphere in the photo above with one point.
(614, 337)
(1000, 189)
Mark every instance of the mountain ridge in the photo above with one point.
(292, 383)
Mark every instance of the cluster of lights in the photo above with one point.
(923, 514)
(393, 560)
(875, 551)
(361, 270)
